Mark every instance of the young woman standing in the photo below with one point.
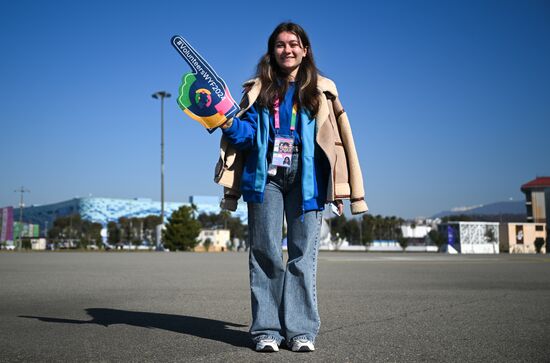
(289, 103)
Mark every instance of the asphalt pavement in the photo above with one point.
(195, 307)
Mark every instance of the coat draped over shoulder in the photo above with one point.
(333, 135)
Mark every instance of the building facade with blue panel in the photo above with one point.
(105, 210)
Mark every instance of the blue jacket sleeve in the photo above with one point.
(242, 132)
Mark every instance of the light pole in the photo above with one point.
(161, 95)
(21, 204)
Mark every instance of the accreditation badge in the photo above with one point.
(282, 151)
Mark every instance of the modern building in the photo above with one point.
(415, 233)
(537, 199)
(471, 237)
(219, 240)
(105, 210)
(523, 237)
(537, 202)
(38, 244)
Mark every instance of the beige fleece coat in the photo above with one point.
(333, 135)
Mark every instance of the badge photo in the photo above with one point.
(282, 151)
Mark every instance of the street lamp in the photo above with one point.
(161, 95)
(21, 205)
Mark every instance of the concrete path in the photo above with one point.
(192, 307)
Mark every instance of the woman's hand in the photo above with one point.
(340, 205)
(227, 124)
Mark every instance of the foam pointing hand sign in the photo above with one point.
(203, 95)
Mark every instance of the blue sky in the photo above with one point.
(449, 101)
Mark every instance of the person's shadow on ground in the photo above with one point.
(200, 327)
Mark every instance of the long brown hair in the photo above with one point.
(274, 79)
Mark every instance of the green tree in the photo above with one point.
(337, 226)
(75, 229)
(150, 224)
(136, 230)
(378, 227)
(182, 229)
(207, 243)
(539, 243)
(125, 229)
(54, 233)
(113, 233)
(366, 229)
(26, 243)
(67, 228)
(91, 233)
(403, 242)
(351, 231)
(237, 228)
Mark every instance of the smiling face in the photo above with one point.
(289, 53)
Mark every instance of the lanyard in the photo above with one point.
(276, 115)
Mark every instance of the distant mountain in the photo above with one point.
(493, 209)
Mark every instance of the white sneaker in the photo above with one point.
(267, 345)
(302, 345)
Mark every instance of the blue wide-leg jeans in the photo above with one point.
(284, 298)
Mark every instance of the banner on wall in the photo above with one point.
(453, 238)
(26, 230)
(519, 234)
(6, 224)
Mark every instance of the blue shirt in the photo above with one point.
(243, 130)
